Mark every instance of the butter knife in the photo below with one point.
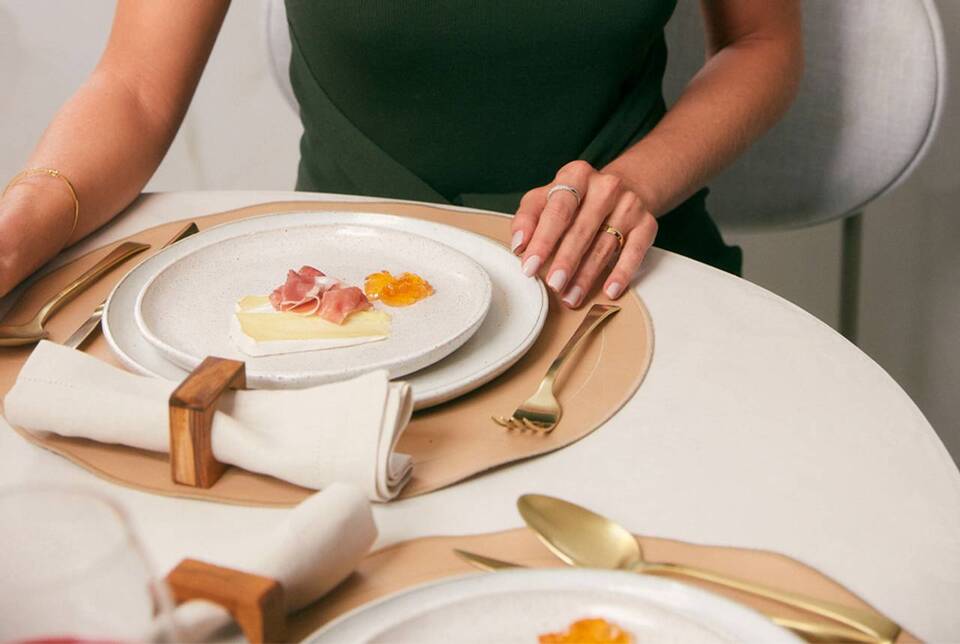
(82, 334)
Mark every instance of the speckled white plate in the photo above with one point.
(516, 316)
(514, 606)
(185, 310)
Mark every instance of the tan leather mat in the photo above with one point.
(419, 561)
(448, 443)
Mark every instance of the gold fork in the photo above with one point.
(14, 335)
(542, 411)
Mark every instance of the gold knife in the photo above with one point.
(78, 337)
(483, 562)
(814, 630)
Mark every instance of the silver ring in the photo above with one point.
(567, 188)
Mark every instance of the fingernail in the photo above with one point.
(516, 241)
(573, 297)
(531, 265)
(557, 279)
(613, 290)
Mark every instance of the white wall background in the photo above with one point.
(240, 134)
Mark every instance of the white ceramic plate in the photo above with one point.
(185, 311)
(516, 317)
(514, 606)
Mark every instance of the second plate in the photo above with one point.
(516, 316)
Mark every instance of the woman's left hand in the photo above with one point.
(572, 230)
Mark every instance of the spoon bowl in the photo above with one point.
(578, 536)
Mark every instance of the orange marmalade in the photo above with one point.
(589, 631)
(403, 290)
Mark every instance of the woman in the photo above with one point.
(549, 110)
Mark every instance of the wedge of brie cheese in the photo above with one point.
(260, 330)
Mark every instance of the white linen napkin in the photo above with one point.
(316, 547)
(345, 431)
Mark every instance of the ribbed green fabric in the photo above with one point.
(474, 103)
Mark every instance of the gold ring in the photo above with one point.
(607, 228)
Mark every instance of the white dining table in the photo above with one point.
(757, 426)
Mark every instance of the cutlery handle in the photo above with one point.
(864, 621)
(77, 286)
(825, 632)
(597, 314)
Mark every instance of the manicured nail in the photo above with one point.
(613, 290)
(557, 280)
(516, 241)
(573, 297)
(531, 266)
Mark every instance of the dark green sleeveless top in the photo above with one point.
(474, 103)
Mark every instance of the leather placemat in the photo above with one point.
(419, 561)
(448, 442)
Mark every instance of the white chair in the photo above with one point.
(867, 111)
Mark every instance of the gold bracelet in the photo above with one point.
(50, 172)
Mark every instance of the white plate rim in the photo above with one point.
(530, 580)
(447, 346)
(423, 397)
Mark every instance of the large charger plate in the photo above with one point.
(517, 312)
(186, 309)
(518, 605)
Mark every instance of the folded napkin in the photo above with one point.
(316, 547)
(345, 431)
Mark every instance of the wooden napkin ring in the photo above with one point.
(192, 406)
(256, 603)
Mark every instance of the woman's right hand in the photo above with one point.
(112, 134)
(11, 243)
(7, 262)
(35, 220)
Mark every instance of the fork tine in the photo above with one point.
(523, 424)
(538, 427)
(512, 423)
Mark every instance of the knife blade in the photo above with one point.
(483, 562)
(92, 323)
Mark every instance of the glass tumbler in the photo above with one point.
(71, 570)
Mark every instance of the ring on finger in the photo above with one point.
(565, 187)
(610, 230)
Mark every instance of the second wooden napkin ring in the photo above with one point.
(192, 406)
(256, 603)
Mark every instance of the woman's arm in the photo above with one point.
(109, 138)
(753, 69)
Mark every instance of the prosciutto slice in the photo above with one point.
(309, 291)
(340, 302)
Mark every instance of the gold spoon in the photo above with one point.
(814, 630)
(15, 335)
(583, 538)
